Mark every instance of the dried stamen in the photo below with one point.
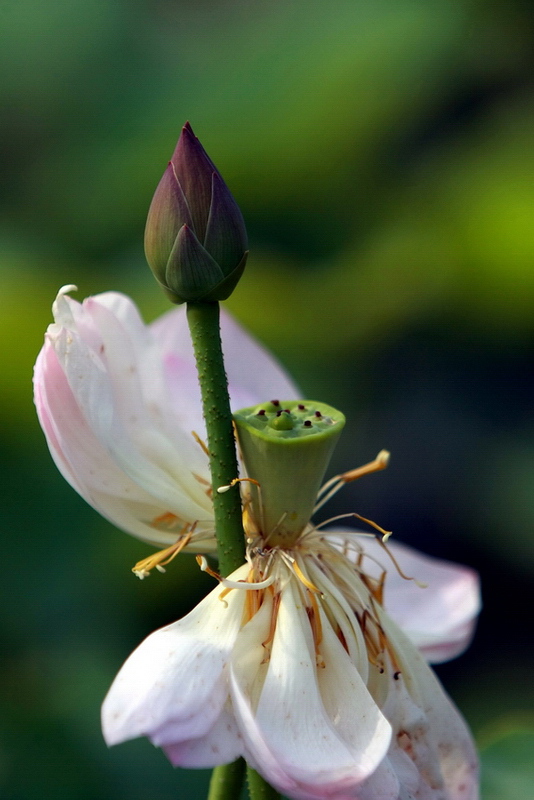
(332, 486)
(201, 442)
(234, 482)
(162, 558)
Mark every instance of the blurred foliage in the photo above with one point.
(508, 766)
(382, 155)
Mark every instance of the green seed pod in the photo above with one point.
(286, 447)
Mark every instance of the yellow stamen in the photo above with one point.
(203, 564)
(199, 441)
(272, 625)
(315, 621)
(307, 583)
(160, 559)
(382, 544)
(378, 463)
(223, 489)
(385, 534)
(249, 523)
(332, 486)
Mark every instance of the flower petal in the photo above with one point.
(168, 211)
(440, 617)
(123, 455)
(173, 688)
(351, 709)
(427, 726)
(222, 744)
(254, 376)
(226, 235)
(289, 735)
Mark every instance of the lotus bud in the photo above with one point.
(286, 447)
(195, 237)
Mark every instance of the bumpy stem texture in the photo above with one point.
(258, 788)
(227, 780)
(203, 321)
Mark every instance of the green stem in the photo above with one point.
(203, 319)
(227, 780)
(258, 788)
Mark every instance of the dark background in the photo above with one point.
(382, 153)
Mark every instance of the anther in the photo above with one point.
(301, 407)
(318, 414)
(279, 413)
(275, 402)
(307, 423)
(234, 482)
(261, 412)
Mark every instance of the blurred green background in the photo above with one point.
(381, 151)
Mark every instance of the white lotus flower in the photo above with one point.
(119, 403)
(294, 664)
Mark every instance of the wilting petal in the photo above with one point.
(173, 688)
(222, 744)
(118, 402)
(438, 617)
(350, 708)
(301, 735)
(105, 439)
(428, 728)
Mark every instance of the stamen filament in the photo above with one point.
(201, 442)
(202, 562)
(161, 558)
(246, 585)
(223, 489)
(336, 483)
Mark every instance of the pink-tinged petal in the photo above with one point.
(440, 617)
(304, 743)
(125, 456)
(173, 688)
(43, 372)
(427, 726)
(254, 376)
(222, 744)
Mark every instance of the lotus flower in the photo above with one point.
(293, 663)
(306, 661)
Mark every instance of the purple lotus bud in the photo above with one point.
(195, 237)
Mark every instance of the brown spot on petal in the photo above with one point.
(404, 741)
